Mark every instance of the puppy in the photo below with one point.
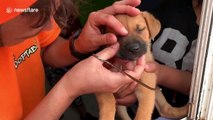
(142, 29)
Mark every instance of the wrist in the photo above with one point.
(75, 48)
(80, 47)
(69, 88)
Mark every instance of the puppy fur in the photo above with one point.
(141, 28)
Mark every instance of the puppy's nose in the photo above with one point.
(134, 47)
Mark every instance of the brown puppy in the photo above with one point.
(142, 29)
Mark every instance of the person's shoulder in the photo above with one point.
(47, 37)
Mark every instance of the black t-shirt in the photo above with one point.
(175, 44)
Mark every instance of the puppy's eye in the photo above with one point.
(139, 29)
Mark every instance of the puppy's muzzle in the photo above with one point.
(131, 47)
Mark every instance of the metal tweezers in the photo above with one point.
(123, 72)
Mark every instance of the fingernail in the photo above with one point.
(146, 67)
(137, 10)
(124, 31)
(115, 45)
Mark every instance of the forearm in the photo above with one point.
(58, 54)
(175, 79)
(53, 105)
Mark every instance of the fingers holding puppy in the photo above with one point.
(121, 9)
(127, 100)
(91, 37)
(126, 95)
(126, 90)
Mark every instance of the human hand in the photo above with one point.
(91, 37)
(126, 95)
(90, 75)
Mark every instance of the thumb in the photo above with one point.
(151, 67)
(108, 52)
(140, 64)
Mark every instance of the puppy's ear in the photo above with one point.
(153, 24)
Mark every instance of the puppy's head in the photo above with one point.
(141, 29)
